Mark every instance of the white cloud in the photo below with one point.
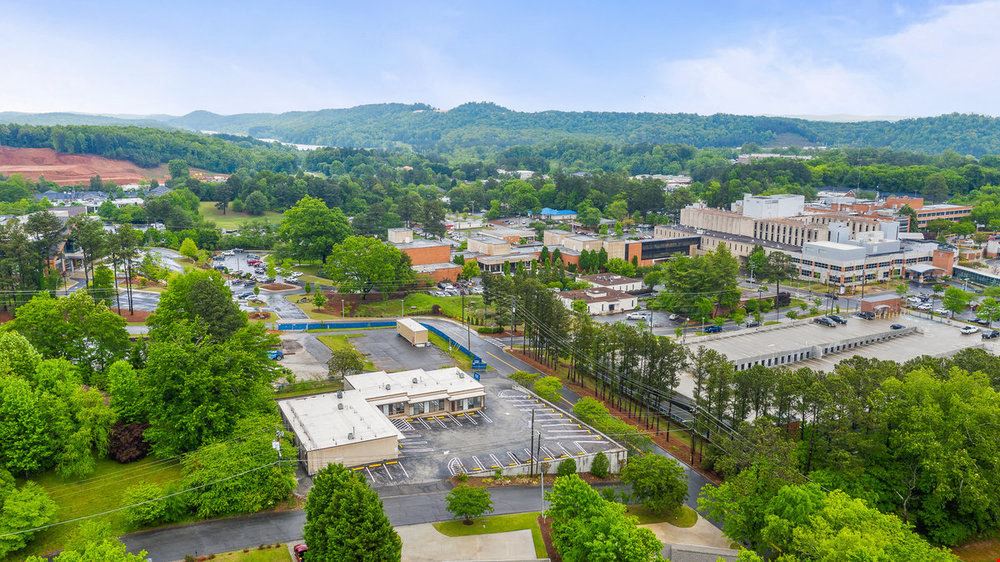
(946, 63)
(942, 64)
(764, 78)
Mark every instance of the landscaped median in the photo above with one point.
(497, 524)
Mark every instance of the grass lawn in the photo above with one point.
(271, 554)
(684, 517)
(422, 304)
(461, 360)
(100, 491)
(312, 273)
(307, 388)
(310, 309)
(343, 342)
(497, 524)
(232, 219)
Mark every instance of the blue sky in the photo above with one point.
(753, 57)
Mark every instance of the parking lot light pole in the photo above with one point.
(531, 457)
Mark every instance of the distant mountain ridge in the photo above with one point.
(483, 128)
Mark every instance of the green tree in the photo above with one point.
(344, 361)
(345, 521)
(466, 503)
(75, 328)
(757, 262)
(319, 299)
(470, 270)
(310, 229)
(189, 249)
(657, 482)
(548, 388)
(178, 169)
(200, 298)
(255, 204)
(146, 506)
(361, 264)
(956, 300)
(198, 388)
(989, 309)
(585, 526)
(432, 217)
(21, 509)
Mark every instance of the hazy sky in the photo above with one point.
(756, 57)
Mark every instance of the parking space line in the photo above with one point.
(401, 467)
(441, 423)
(531, 457)
(513, 458)
(471, 419)
(423, 423)
(387, 473)
(485, 417)
(567, 453)
(479, 463)
(454, 419)
(370, 474)
(548, 452)
(496, 461)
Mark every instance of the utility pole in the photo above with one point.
(541, 475)
(531, 459)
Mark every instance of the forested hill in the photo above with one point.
(485, 128)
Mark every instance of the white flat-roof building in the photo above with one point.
(417, 392)
(339, 427)
(600, 301)
(612, 281)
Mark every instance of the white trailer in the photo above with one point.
(413, 331)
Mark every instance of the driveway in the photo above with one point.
(423, 543)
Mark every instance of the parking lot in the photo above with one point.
(497, 437)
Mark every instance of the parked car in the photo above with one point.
(991, 335)
(254, 262)
(941, 311)
(713, 329)
(981, 321)
(673, 317)
(924, 307)
(824, 321)
(637, 316)
(242, 296)
(969, 330)
(866, 315)
(837, 318)
(752, 324)
(897, 326)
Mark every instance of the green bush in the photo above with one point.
(548, 388)
(148, 513)
(524, 378)
(566, 468)
(599, 466)
(489, 329)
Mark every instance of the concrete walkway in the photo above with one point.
(423, 543)
(701, 533)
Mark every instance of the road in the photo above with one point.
(404, 505)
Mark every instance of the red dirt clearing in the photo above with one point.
(77, 169)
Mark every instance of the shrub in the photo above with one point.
(467, 503)
(524, 378)
(148, 512)
(548, 388)
(599, 466)
(566, 468)
(126, 443)
(489, 329)
(462, 477)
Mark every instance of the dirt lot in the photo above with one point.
(76, 169)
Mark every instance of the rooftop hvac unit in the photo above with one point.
(350, 436)
(415, 380)
(388, 386)
(340, 394)
(340, 405)
(461, 374)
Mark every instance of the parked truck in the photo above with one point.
(414, 333)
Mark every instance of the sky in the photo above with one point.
(759, 57)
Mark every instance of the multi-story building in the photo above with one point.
(928, 213)
(428, 257)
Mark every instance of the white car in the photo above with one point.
(673, 317)
(924, 306)
(637, 316)
(970, 330)
(941, 311)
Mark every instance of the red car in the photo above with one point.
(300, 552)
(254, 262)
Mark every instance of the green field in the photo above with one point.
(497, 524)
(421, 304)
(461, 360)
(98, 492)
(232, 219)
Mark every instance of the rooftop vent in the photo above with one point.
(415, 380)
(340, 405)
(350, 436)
(340, 394)
(461, 374)
(388, 386)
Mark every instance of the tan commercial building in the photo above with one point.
(419, 393)
(339, 427)
(600, 301)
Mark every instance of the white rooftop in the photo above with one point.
(418, 385)
(319, 423)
